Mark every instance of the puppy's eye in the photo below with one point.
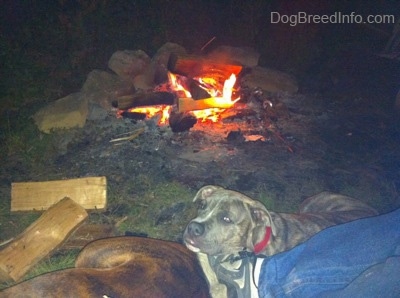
(227, 219)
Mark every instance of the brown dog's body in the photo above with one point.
(229, 222)
(121, 267)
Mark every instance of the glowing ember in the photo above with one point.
(212, 114)
(151, 111)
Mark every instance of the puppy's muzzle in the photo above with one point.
(195, 229)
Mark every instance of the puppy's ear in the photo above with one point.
(205, 192)
(262, 217)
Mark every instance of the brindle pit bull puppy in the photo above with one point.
(121, 267)
(229, 222)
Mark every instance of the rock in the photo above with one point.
(102, 88)
(146, 80)
(160, 60)
(163, 53)
(96, 112)
(270, 80)
(245, 56)
(68, 112)
(128, 64)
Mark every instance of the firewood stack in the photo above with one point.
(65, 203)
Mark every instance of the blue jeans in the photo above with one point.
(356, 259)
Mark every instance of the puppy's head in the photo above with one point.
(227, 222)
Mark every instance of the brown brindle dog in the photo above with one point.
(121, 267)
(229, 222)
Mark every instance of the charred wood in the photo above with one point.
(133, 115)
(180, 122)
(194, 66)
(144, 99)
(196, 91)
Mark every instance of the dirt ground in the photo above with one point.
(309, 144)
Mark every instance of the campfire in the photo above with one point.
(210, 95)
(197, 89)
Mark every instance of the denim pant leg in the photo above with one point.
(329, 262)
(380, 280)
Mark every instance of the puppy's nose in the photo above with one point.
(195, 229)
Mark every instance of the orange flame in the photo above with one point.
(220, 100)
(176, 85)
(151, 111)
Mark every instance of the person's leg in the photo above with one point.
(380, 280)
(333, 258)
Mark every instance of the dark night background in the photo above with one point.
(48, 47)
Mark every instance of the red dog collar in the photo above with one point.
(259, 247)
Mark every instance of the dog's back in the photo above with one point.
(327, 202)
(315, 214)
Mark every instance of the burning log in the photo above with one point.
(136, 116)
(181, 121)
(144, 99)
(193, 66)
(188, 104)
(195, 90)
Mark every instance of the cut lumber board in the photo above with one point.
(186, 104)
(89, 192)
(40, 238)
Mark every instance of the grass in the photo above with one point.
(143, 207)
(24, 88)
(49, 264)
(21, 140)
(13, 224)
(53, 263)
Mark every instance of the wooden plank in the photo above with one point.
(188, 104)
(40, 238)
(89, 192)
